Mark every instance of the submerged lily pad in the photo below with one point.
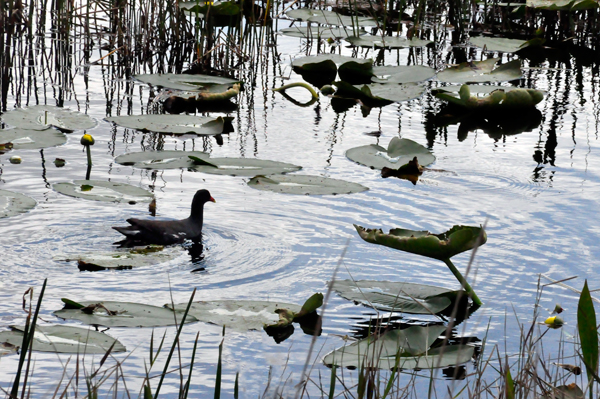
(100, 190)
(41, 117)
(238, 315)
(398, 153)
(304, 184)
(438, 246)
(64, 339)
(12, 203)
(175, 124)
(24, 139)
(386, 41)
(396, 296)
(499, 44)
(318, 32)
(216, 166)
(121, 314)
(329, 17)
(125, 259)
(481, 71)
(187, 82)
(402, 74)
(403, 349)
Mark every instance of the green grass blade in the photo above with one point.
(218, 377)
(332, 382)
(586, 323)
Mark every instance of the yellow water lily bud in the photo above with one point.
(87, 139)
(554, 322)
(15, 159)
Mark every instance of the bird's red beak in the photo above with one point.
(212, 199)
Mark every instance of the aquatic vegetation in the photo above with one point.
(498, 99)
(100, 190)
(481, 72)
(12, 204)
(305, 185)
(42, 117)
(175, 124)
(399, 152)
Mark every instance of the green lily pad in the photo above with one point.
(306, 62)
(398, 153)
(481, 71)
(64, 339)
(237, 315)
(100, 190)
(304, 184)
(122, 314)
(125, 259)
(12, 203)
(499, 44)
(396, 296)
(174, 124)
(318, 32)
(402, 74)
(42, 117)
(386, 41)
(557, 5)
(186, 82)
(412, 345)
(438, 246)
(499, 99)
(217, 166)
(23, 139)
(395, 92)
(329, 17)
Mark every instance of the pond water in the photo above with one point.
(537, 191)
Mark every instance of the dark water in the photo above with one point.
(537, 191)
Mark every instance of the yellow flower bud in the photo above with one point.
(87, 139)
(554, 322)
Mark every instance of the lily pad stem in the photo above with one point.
(463, 282)
(299, 84)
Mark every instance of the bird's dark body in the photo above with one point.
(167, 232)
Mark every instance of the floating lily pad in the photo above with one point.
(23, 139)
(121, 314)
(499, 44)
(438, 246)
(395, 92)
(175, 124)
(64, 339)
(186, 82)
(398, 153)
(237, 315)
(319, 32)
(245, 167)
(499, 99)
(386, 41)
(160, 159)
(306, 62)
(12, 203)
(125, 259)
(41, 117)
(481, 71)
(329, 17)
(304, 184)
(396, 296)
(100, 190)
(402, 74)
(412, 345)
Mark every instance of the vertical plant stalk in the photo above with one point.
(463, 282)
(588, 335)
(219, 369)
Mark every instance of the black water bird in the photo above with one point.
(166, 232)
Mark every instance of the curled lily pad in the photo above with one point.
(403, 349)
(318, 32)
(12, 203)
(402, 74)
(438, 246)
(122, 314)
(200, 162)
(481, 71)
(100, 190)
(186, 82)
(386, 41)
(305, 63)
(24, 139)
(329, 17)
(499, 44)
(396, 296)
(125, 259)
(238, 315)
(304, 184)
(64, 339)
(497, 100)
(398, 153)
(175, 124)
(42, 117)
